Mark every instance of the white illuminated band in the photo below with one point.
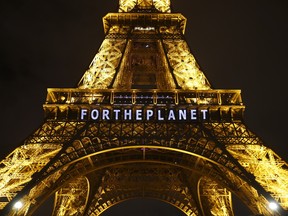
(148, 114)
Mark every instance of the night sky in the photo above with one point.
(237, 44)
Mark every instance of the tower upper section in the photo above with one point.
(144, 48)
(130, 5)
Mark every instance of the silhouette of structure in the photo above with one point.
(143, 122)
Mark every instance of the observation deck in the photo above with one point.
(66, 103)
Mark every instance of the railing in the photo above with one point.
(218, 97)
(144, 19)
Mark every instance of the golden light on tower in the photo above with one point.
(143, 121)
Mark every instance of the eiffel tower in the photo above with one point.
(144, 121)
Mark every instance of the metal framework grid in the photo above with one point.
(91, 165)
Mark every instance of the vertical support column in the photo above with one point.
(72, 198)
(215, 200)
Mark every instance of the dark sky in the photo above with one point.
(238, 44)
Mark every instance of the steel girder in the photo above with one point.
(85, 146)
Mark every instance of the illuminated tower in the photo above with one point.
(143, 122)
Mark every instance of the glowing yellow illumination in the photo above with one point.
(160, 5)
(168, 153)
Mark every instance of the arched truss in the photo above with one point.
(200, 175)
(87, 164)
(92, 148)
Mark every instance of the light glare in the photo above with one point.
(18, 205)
(273, 205)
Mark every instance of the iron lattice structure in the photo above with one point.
(143, 122)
